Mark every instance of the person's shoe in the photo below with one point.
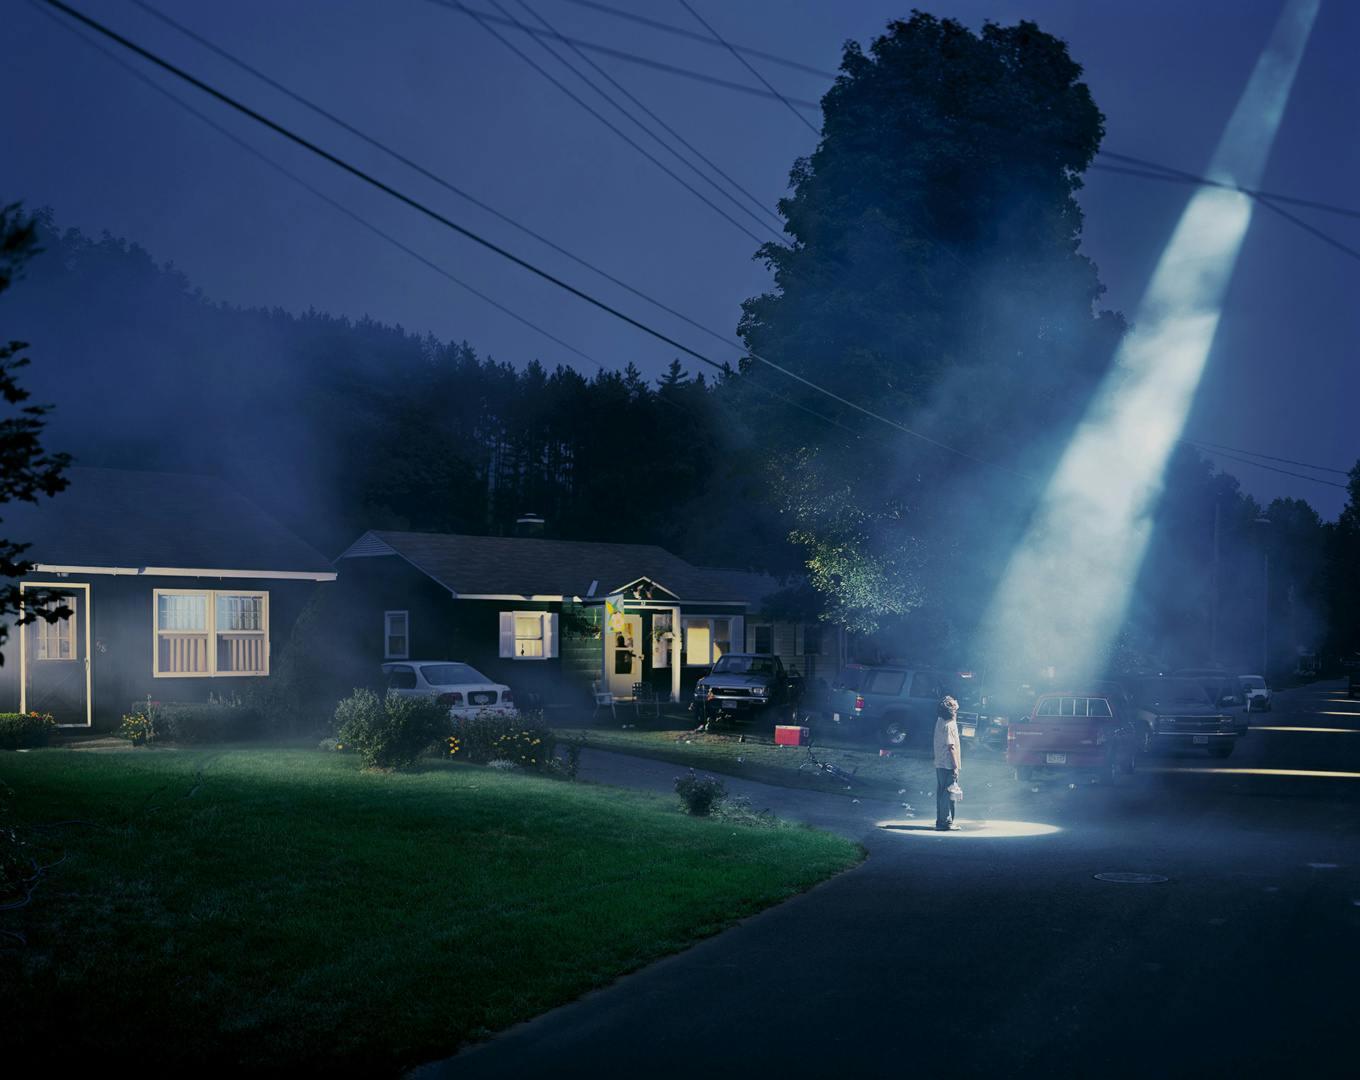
(948, 826)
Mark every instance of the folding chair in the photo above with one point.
(603, 698)
(644, 694)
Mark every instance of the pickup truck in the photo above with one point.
(744, 686)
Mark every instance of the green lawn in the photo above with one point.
(282, 907)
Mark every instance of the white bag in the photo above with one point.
(955, 792)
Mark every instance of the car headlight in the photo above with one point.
(761, 691)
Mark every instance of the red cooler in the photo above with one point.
(791, 735)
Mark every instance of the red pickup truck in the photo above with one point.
(1072, 730)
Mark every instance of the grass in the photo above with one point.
(759, 759)
(277, 908)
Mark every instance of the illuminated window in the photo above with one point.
(396, 635)
(529, 635)
(211, 633)
(56, 640)
(698, 642)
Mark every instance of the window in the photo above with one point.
(528, 635)
(1048, 707)
(396, 635)
(209, 633)
(764, 639)
(812, 639)
(56, 640)
(698, 642)
(401, 677)
(925, 684)
(661, 646)
(885, 682)
(1098, 707)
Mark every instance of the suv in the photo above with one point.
(895, 705)
(1088, 730)
(1223, 690)
(1255, 692)
(1178, 712)
(743, 685)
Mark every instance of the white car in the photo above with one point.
(1256, 692)
(465, 690)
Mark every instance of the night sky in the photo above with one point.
(77, 133)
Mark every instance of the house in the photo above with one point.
(550, 617)
(177, 586)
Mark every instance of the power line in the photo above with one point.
(626, 114)
(1272, 468)
(497, 249)
(747, 65)
(1268, 457)
(703, 39)
(673, 133)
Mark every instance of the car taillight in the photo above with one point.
(859, 702)
(507, 697)
(453, 698)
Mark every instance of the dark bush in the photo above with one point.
(700, 793)
(20, 730)
(204, 722)
(391, 732)
(523, 739)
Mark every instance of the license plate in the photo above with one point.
(1056, 759)
(835, 718)
(729, 705)
(1201, 740)
(967, 730)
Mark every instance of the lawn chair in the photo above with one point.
(644, 695)
(603, 699)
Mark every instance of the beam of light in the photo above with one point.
(1314, 730)
(1219, 770)
(1348, 715)
(1068, 585)
(974, 829)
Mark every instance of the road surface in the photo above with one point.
(996, 951)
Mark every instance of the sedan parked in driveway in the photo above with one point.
(464, 689)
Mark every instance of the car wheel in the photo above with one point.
(1221, 750)
(895, 732)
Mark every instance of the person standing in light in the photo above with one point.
(948, 761)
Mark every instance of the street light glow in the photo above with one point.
(1069, 582)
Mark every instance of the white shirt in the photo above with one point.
(947, 755)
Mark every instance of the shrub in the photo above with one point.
(18, 730)
(700, 793)
(524, 740)
(137, 728)
(392, 732)
(203, 722)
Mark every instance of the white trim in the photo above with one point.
(388, 635)
(536, 598)
(89, 660)
(211, 632)
(547, 621)
(183, 571)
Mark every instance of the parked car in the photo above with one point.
(1255, 692)
(747, 686)
(894, 705)
(464, 689)
(1089, 731)
(1223, 690)
(1178, 712)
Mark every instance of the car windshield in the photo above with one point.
(1253, 682)
(744, 665)
(1172, 692)
(451, 674)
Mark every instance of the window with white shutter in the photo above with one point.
(529, 635)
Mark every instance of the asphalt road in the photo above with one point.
(995, 951)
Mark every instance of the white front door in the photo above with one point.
(623, 655)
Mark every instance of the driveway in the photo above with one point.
(997, 950)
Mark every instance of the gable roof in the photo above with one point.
(147, 521)
(527, 566)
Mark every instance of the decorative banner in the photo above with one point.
(613, 612)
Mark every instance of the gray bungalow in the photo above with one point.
(178, 588)
(550, 617)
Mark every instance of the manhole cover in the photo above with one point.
(1120, 877)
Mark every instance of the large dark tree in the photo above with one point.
(933, 274)
(27, 470)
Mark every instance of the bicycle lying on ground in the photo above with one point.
(827, 768)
